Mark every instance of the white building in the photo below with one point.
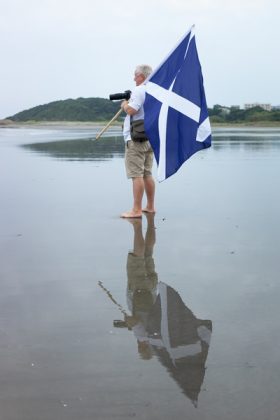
(266, 107)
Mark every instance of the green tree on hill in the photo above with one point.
(81, 109)
(100, 109)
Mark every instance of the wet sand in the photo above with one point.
(104, 319)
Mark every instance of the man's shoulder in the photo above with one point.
(139, 89)
(138, 93)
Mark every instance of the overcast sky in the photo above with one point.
(59, 49)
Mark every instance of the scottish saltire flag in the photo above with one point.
(176, 116)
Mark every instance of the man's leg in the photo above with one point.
(138, 187)
(139, 159)
(149, 185)
(138, 191)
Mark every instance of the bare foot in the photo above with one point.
(146, 210)
(131, 215)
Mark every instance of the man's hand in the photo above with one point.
(124, 105)
(128, 109)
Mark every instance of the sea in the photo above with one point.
(175, 315)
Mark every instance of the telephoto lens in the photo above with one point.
(120, 96)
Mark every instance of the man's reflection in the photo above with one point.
(142, 283)
(161, 322)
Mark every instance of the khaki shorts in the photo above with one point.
(141, 273)
(138, 159)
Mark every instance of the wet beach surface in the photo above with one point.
(175, 315)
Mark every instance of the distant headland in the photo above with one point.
(99, 110)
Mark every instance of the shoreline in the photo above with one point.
(56, 124)
(96, 124)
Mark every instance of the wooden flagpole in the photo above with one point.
(108, 125)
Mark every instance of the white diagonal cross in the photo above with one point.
(172, 99)
(168, 98)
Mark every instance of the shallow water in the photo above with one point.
(90, 330)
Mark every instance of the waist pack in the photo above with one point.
(137, 131)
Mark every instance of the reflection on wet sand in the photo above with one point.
(162, 324)
(80, 149)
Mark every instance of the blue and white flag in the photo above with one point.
(176, 115)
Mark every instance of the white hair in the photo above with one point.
(144, 69)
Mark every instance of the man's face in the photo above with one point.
(138, 78)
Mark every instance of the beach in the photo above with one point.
(91, 331)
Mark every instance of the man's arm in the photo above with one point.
(128, 109)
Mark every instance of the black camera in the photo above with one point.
(119, 96)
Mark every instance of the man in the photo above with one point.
(138, 155)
